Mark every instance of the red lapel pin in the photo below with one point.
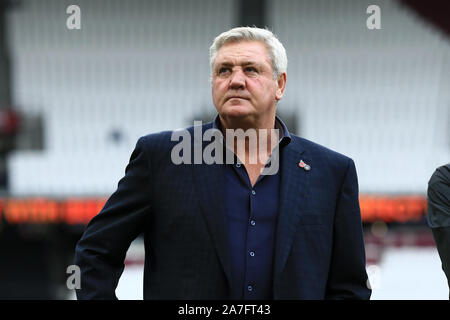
(303, 165)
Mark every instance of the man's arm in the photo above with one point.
(101, 251)
(442, 238)
(438, 214)
(347, 276)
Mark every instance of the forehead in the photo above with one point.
(238, 52)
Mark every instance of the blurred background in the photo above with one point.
(75, 95)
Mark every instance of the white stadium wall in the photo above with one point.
(378, 96)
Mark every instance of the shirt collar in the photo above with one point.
(285, 136)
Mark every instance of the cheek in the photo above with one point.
(262, 90)
(218, 89)
(217, 92)
(272, 90)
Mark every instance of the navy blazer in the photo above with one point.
(319, 249)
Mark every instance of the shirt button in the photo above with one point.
(253, 192)
(252, 253)
(252, 222)
(250, 288)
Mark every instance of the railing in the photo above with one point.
(73, 211)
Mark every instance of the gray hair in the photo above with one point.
(276, 50)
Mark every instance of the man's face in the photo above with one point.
(242, 83)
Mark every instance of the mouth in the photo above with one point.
(236, 97)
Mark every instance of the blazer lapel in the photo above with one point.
(292, 202)
(209, 182)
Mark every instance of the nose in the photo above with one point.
(237, 80)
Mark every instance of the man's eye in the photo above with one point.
(223, 70)
(250, 69)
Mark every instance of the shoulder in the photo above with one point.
(160, 144)
(438, 210)
(440, 177)
(167, 139)
(330, 170)
(321, 154)
(439, 186)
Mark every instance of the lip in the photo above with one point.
(236, 97)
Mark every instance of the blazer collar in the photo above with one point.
(293, 199)
(209, 181)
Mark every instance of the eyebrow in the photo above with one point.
(245, 63)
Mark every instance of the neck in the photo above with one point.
(246, 123)
(251, 141)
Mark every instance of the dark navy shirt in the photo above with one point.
(252, 219)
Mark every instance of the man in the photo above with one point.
(234, 230)
(438, 214)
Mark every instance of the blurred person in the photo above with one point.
(234, 230)
(9, 128)
(438, 214)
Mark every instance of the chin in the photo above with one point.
(236, 112)
(237, 109)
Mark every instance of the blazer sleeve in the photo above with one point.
(438, 214)
(347, 277)
(100, 253)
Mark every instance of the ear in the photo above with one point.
(281, 86)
